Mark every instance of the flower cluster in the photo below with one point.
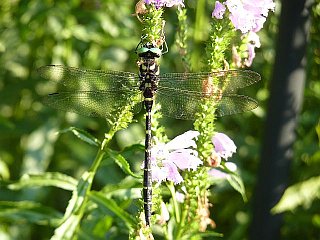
(248, 16)
(165, 3)
(167, 159)
(245, 15)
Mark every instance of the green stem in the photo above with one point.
(174, 200)
(181, 225)
(86, 180)
(182, 37)
(200, 20)
(77, 204)
(120, 124)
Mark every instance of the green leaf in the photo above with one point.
(83, 135)
(6, 123)
(77, 204)
(127, 188)
(102, 226)
(200, 235)
(68, 229)
(318, 125)
(303, 193)
(54, 179)
(111, 205)
(236, 182)
(97, 224)
(133, 148)
(209, 234)
(4, 170)
(121, 162)
(26, 211)
(124, 193)
(75, 209)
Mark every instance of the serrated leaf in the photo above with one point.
(54, 179)
(133, 148)
(74, 211)
(26, 211)
(67, 230)
(121, 162)
(303, 193)
(236, 182)
(127, 188)
(83, 135)
(111, 205)
(125, 193)
(200, 235)
(209, 234)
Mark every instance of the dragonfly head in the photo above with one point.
(148, 50)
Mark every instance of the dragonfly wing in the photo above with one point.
(185, 104)
(75, 79)
(176, 104)
(233, 104)
(98, 103)
(227, 81)
(236, 79)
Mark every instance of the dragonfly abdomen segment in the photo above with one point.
(147, 176)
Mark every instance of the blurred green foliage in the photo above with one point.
(101, 34)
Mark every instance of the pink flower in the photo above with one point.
(165, 3)
(168, 159)
(253, 42)
(250, 41)
(245, 15)
(219, 10)
(183, 141)
(164, 214)
(223, 145)
(185, 159)
(172, 172)
(180, 197)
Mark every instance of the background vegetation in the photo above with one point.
(101, 34)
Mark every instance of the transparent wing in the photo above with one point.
(92, 92)
(180, 105)
(99, 103)
(75, 79)
(233, 104)
(181, 94)
(104, 93)
(228, 81)
(185, 104)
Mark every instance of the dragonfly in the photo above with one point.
(180, 95)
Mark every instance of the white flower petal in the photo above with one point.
(184, 140)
